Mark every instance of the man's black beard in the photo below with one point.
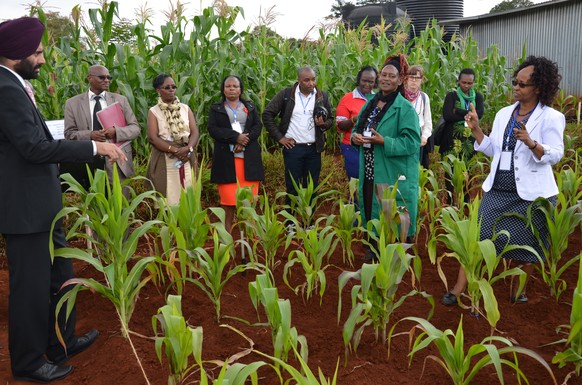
(26, 69)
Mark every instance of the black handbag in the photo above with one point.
(438, 131)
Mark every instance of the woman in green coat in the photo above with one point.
(388, 136)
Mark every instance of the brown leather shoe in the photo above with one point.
(46, 373)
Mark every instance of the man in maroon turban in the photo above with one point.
(19, 38)
(30, 198)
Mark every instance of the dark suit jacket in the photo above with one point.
(30, 190)
(78, 121)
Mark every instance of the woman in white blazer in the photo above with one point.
(525, 142)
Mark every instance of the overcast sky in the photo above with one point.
(295, 17)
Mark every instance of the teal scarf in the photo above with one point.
(464, 99)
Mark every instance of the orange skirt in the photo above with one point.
(227, 191)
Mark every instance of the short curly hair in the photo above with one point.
(467, 71)
(159, 80)
(545, 77)
(365, 69)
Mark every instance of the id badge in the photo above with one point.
(466, 124)
(236, 126)
(367, 134)
(505, 162)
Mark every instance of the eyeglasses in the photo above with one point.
(167, 88)
(102, 77)
(415, 78)
(521, 84)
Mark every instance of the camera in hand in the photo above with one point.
(321, 112)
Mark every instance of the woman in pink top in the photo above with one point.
(347, 115)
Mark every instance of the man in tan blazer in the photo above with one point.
(80, 123)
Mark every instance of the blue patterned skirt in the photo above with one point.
(495, 204)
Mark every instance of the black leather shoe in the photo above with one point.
(370, 257)
(522, 298)
(449, 299)
(82, 343)
(46, 373)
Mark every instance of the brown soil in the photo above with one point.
(110, 360)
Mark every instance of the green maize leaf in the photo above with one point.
(490, 302)
(82, 255)
(197, 337)
(461, 366)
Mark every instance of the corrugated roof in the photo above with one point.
(472, 19)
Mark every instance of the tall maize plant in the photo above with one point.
(200, 51)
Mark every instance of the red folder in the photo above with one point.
(112, 115)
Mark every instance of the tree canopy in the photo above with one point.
(507, 5)
(121, 32)
(58, 25)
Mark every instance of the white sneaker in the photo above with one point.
(290, 229)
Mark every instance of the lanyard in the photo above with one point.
(371, 118)
(233, 110)
(467, 104)
(306, 103)
(513, 123)
(361, 93)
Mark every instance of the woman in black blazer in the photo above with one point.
(235, 126)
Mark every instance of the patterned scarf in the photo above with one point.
(176, 124)
(411, 96)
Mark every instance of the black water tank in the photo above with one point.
(374, 13)
(422, 11)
